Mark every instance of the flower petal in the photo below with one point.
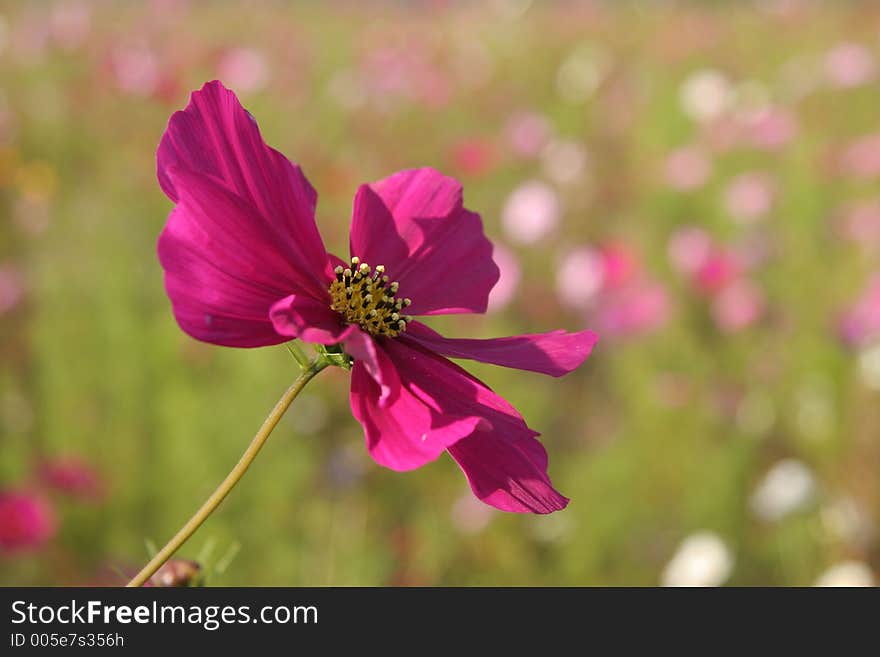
(301, 316)
(554, 353)
(221, 278)
(376, 363)
(414, 223)
(504, 464)
(406, 433)
(509, 474)
(215, 137)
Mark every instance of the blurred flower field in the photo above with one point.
(696, 182)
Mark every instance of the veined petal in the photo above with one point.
(406, 433)
(503, 462)
(510, 475)
(301, 316)
(414, 223)
(216, 138)
(221, 277)
(554, 353)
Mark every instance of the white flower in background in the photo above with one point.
(579, 277)
(705, 95)
(869, 366)
(564, 162)
(469, 515)
(848, 521)
(847, 573)
(787, 487)
(702, 559)
(580, 74)
(531, 212)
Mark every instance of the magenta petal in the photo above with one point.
(406, 433)
(375, 361)
(504, 464)
(508, 473)
(554, 353)
(300, 316)
(216, 138)
(414, 223)
(221, 278)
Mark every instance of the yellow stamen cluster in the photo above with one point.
(363, 296)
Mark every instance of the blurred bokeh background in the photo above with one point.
(697, 182)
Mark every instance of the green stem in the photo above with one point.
(234, 475)
(298, 354)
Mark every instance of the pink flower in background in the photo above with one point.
(861, 158)
(136, 69)
(738, 305)
(687, 168)
(860, 324)
(849, 65)
(689, 248)
(70, 23)
(244, 68)
(770, 128)
(71, 476)
(619, 265)
(608, 285)
(716, 271)
(27, 521)
(474, 156)
(527, 133)
(750, 196)
(564, 162)
(11, 288)
(392, 73)
(580, 277)
(638, 308)
(508, 281)
(531, 212)
(860, 223)
(245, 266)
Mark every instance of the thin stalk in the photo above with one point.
(211, 504)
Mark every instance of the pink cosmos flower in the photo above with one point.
(639, 308)
(474, 156)
(750, 196)
(860, 324)
(859, 223)
(508, 282)
(689, 248)
(738, 306)
(71, 476)
(245, 266)
(720, 268)
(849, 65)
(26, 521)
(11, 288)
(861, 158)
(687, 168)
(770, 128)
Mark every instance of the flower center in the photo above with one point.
(363, 296)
